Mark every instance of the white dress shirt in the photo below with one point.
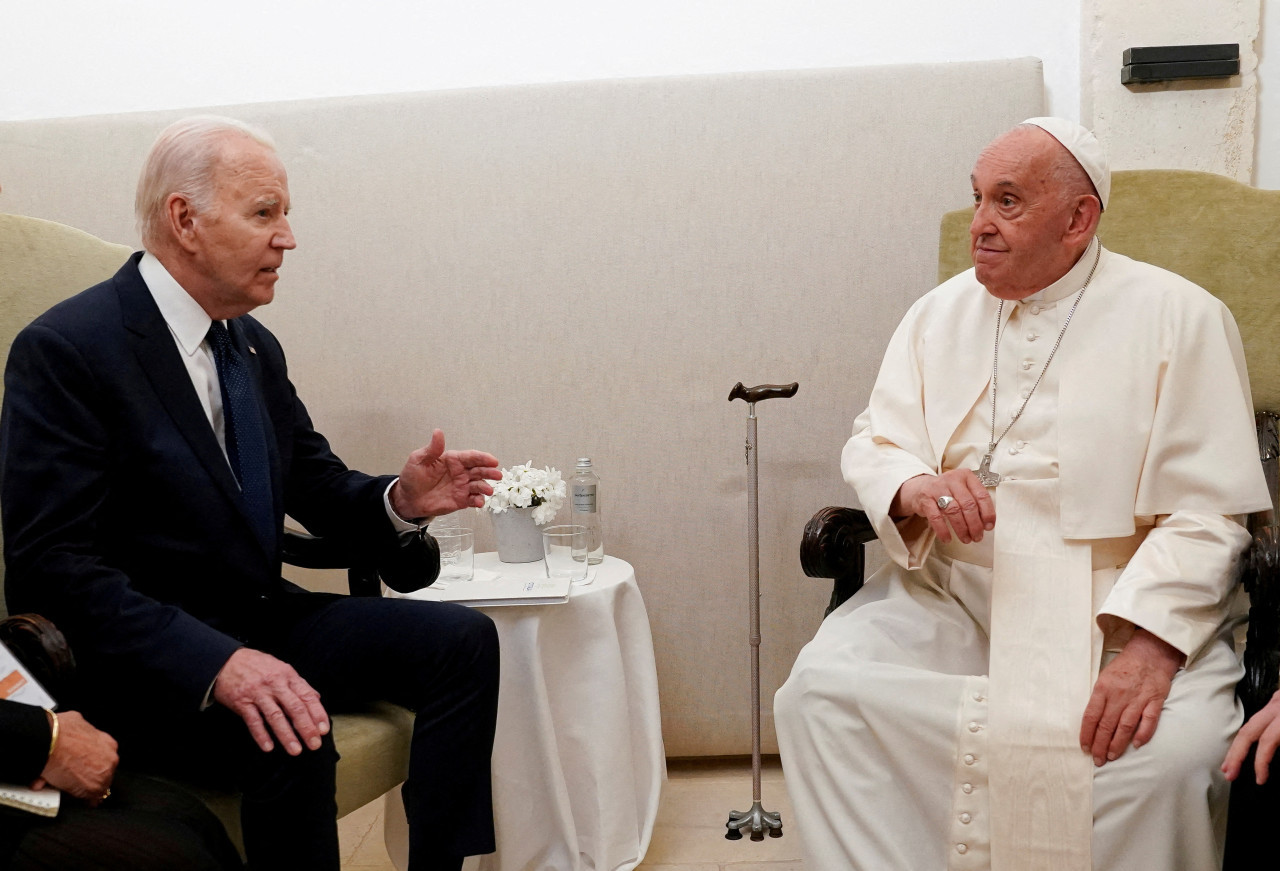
(189, 325)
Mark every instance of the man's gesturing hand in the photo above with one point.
(435, 481)
(970, 512)
(1263, 727)
(1128, 697)
(267, 692)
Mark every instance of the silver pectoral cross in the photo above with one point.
(985, 475)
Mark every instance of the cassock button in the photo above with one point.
(962, 849)
(1027, 364)
(979, 697)
(975, 727)
(1032, 336)
(969, 759)
(1035, 309)
(965, 818)
(968, 788)
(1013, 449)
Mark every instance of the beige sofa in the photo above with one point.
(586, 269)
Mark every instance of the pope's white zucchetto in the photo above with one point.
(1084, 147)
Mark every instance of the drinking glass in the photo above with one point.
(564, 550)
(457, 553)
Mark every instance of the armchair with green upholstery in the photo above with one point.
(1224, 236)
(41, 263)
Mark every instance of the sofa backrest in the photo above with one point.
(586, 269)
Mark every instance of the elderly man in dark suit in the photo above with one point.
(150, 446)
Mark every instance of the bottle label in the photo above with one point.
(584, 498)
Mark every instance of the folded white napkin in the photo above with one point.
(477, 575)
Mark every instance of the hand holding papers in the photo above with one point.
(17, 685)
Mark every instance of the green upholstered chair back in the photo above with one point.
(1215, 231)
(42, 263)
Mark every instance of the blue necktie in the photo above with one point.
(246, 440)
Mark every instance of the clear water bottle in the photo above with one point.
(585, 490)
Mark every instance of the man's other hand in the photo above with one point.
(266, 692)
(435, 481)
(1264, 728)
(1128, 697)
(83, 762)
(970, 512)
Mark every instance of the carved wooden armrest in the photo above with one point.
(1260, 573)
(832, 548)
(1261, 570)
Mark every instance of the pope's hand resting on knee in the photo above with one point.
(1128, 697)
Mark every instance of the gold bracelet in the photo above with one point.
(53, 739)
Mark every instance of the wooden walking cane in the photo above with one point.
(757, 820)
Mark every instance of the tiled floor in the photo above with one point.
(689, 835)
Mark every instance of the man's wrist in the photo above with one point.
(1148, 641)
(53, 730)
(400, 522)
(901, 506)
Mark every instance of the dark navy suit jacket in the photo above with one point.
(24, 735)
(122, 520)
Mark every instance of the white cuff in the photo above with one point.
(401, 525)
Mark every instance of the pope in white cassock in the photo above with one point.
(1056, 456)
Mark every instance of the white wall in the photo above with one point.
(1267, 158)
(1202, 124)
(84, 57)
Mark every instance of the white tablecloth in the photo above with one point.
(578, 762)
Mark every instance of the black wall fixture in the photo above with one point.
(1163, 63)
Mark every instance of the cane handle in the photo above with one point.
(763, 391)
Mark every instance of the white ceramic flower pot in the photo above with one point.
(519, 538)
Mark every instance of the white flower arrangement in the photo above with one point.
(524, 486)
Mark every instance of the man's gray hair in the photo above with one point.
(182, 161)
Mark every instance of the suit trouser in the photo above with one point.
(145, 825)
(438, 660)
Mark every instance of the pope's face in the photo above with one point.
(241, 239)
(1020, 219)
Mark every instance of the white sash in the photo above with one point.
(1043, 668)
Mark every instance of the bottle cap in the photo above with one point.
(584, 461)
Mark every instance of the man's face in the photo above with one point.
(240, 241)
(1020, 218)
